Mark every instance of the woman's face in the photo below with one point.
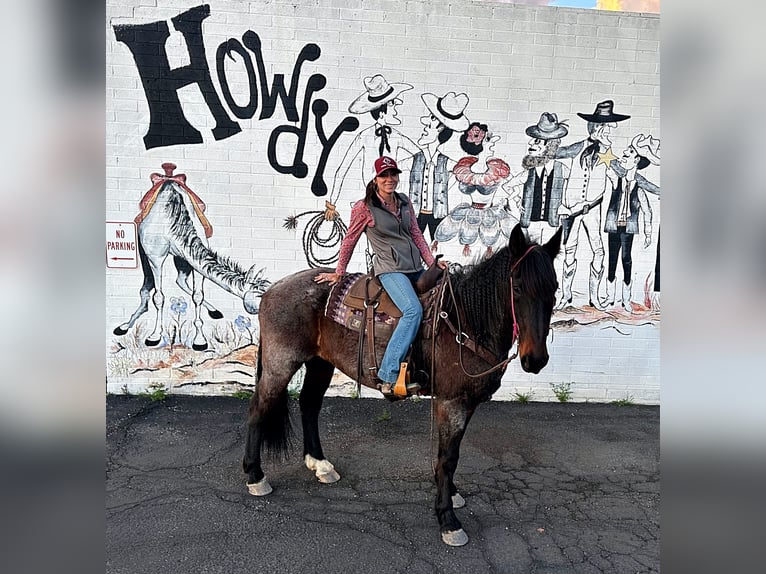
(387, 181)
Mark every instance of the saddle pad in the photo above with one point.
(351, 317)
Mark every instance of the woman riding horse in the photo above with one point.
(391, 227)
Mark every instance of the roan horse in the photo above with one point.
(511, 292)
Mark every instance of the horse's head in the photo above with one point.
(534, 284)
(255, 285)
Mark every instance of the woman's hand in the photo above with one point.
(442, 263)
(331, 278)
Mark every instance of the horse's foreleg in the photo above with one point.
(199, 343)
(318, 376)
(452, 417)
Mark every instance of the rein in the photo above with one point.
(464, 341)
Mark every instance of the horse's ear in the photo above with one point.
(518, 241)
(553, 247)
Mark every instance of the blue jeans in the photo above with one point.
(399, 288)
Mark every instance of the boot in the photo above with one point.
(626, 292)
(609, 293)
(594, 282)
(567, 277)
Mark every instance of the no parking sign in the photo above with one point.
(121, 250)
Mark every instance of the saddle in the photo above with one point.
(360, 303)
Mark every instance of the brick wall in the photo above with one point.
(514, 62)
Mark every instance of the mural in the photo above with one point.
(167, 123)
(172, 223)
(461, 180)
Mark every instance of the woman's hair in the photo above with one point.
(371, 194)
(642, 162)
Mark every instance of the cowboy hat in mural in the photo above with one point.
(548, 127)
(648, 147)
(604, 114)
(378, 93)
(448, 109)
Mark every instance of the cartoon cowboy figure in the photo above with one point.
(432, 165)
(581, 203)
(380, 100)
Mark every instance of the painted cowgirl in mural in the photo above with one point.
(478, 175)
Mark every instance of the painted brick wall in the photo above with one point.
(514, 62)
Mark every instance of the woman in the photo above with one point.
(389, 221)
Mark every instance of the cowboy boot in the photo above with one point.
(626, 293)
(567, 277)
(594, 281)
(609, 293)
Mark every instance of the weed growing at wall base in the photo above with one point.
(157, 392)
(523, 398)
(562, 391)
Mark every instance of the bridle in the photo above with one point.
(464, 340)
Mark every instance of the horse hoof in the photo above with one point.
(329, 477)
(151, 342)
(119, 331)
(458, 501)
(455, 538)
(199, 347)
(324, 470)
(215, 314)
(260, 488)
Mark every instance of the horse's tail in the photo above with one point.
(274, 422)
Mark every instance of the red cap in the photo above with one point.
(385, 163)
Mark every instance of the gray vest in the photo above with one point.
(440, 208)
(391, 240)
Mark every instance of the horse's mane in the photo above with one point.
(483, 290)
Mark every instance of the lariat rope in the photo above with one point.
(312, 240)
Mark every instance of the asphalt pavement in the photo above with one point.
(549, 488)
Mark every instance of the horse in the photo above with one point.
(505, 297)
(172, 223)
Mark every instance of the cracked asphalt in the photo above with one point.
(549, 488)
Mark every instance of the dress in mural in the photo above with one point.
(478, 177)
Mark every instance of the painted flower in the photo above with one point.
(475, 135)
(178, 305)
(242, 323)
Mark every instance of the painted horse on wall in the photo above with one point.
(172, 223)
(505, 298)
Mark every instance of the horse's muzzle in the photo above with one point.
(534, 364)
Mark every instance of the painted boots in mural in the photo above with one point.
(567, 277)
(594, 282)
(610, 293)
(627, 289)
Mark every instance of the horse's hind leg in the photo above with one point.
(318, 376)
(269, 419)
(184, 271)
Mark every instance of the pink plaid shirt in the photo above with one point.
(361, 218)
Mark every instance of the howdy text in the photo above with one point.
(167, 123)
